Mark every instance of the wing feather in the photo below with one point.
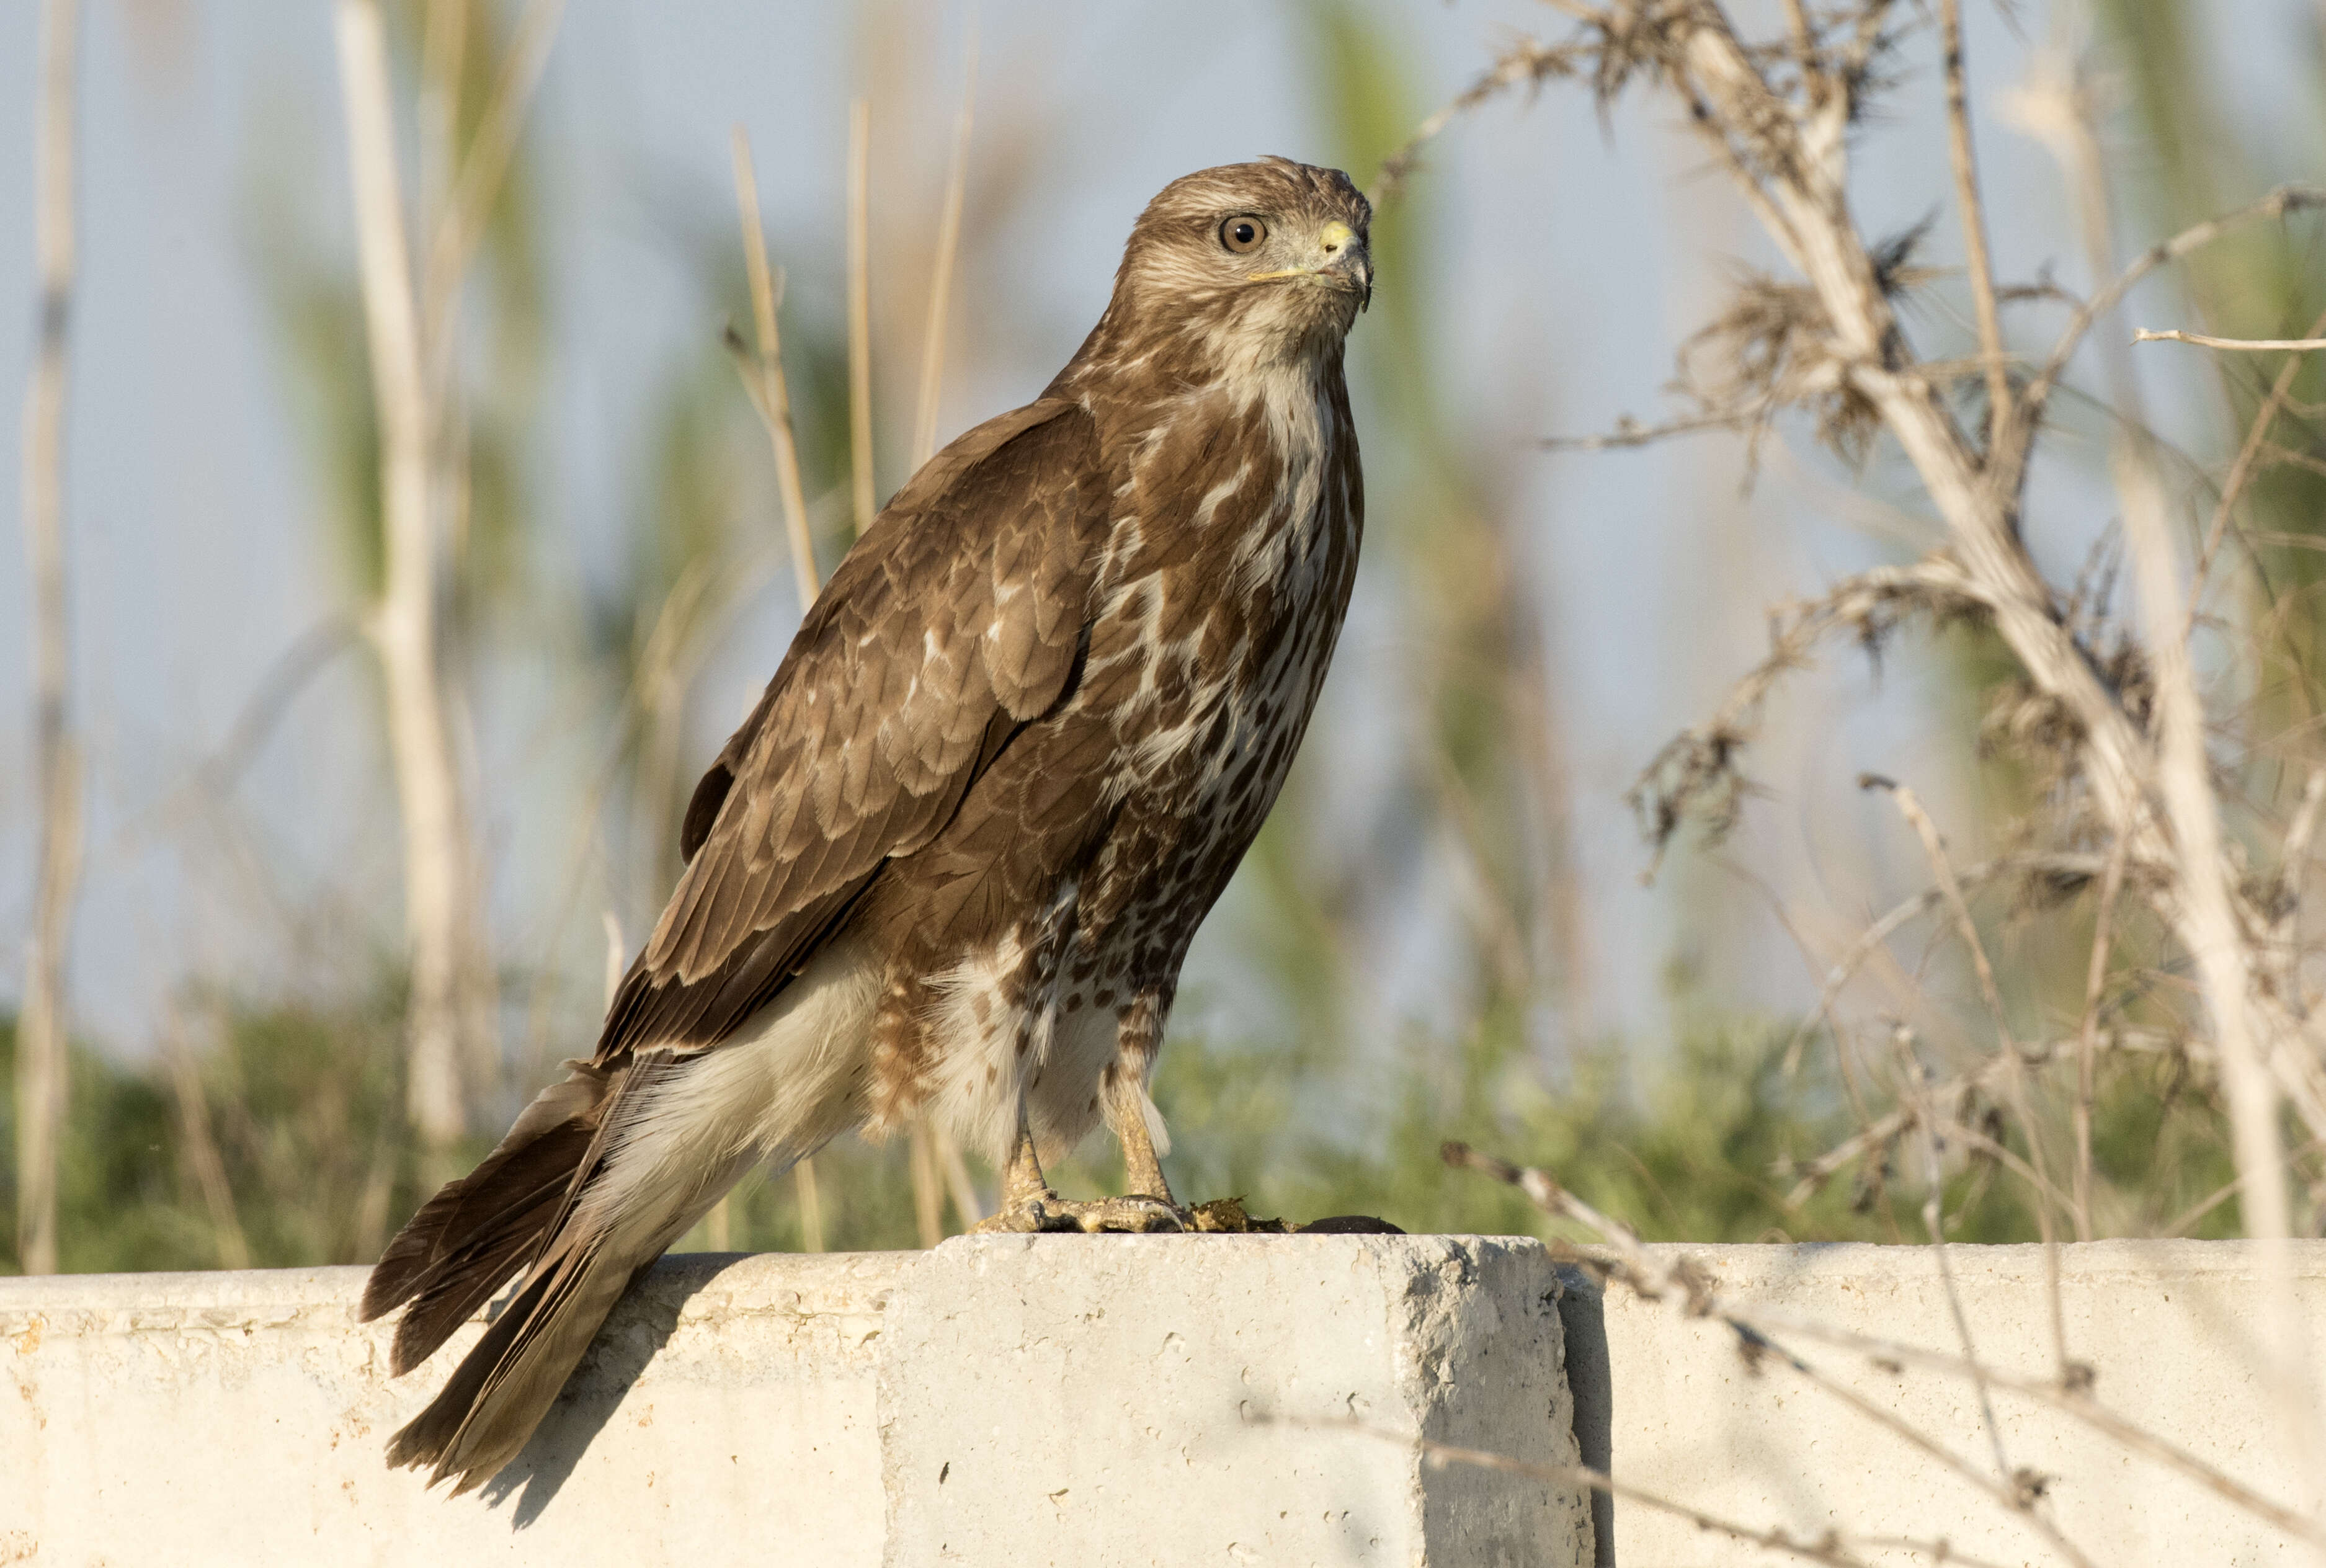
(955, 620)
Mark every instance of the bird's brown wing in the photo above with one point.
(953, 622)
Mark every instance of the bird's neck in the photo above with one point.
(1295, 391)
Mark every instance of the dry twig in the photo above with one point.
(1525, 63)
(1974, 219)
(2241, 345)
(2241, 471)
(1696, 773)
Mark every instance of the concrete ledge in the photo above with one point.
(1185, 1400)
(1060, 1399)
(239, 1418)
(1149, 1400)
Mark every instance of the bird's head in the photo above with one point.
(1250, 261)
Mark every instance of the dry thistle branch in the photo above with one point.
(2241, 471)
(2010, 455)
(1696, 773)
(1956, 1102)
(1631, 433)
(1525, 63)
(2054, 871)
(1911, 807)
(2088, 1034)
(1934, 1185)
(1832, 1548)
(2072, 1398)
(1785, 145)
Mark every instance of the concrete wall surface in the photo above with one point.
(1068, 1400)
(2172, 1331)
(1168, 1400)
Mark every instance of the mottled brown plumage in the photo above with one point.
(952, 861)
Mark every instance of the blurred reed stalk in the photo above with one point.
(763, 379)
(935, 1157)
(43, 1028)
(933, 341)
(409, 331)
(201, 1148)
(763, 374)
(404, 628)
(859, 313)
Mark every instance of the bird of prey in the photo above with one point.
(952, 861)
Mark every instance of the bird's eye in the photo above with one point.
(1243, 235)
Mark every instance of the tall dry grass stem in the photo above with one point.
(201, 1149)
(859, 312)
(763, 378)
(933, 339)
(935, 1155)
(763, 374)
(43, 1027)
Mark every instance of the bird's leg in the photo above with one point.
(1139, 1035)
(1146, 1203)
(1030, 1205)
(1142, 1170)
(1027, 1199)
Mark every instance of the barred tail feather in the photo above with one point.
(479, 1231)
(631, 1198)
(500, 1391)
(598, 1177)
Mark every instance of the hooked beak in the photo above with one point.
(1347, 258)
(1343, 262)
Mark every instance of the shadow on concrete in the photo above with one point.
(1590, 1382)
(637, 1328)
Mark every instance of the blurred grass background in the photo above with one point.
(262, 1121)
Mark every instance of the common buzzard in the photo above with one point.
(953, 860)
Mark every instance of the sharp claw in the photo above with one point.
(1136, 1213)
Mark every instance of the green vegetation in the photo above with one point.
(304, 1110)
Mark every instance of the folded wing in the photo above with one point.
(956, 621)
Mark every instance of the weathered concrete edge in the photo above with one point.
(705, 1285)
